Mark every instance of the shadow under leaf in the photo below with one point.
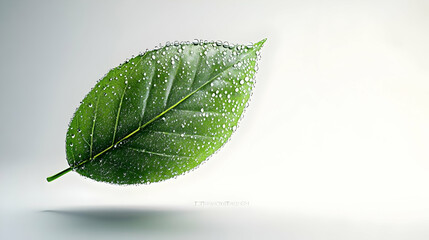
(108, 219)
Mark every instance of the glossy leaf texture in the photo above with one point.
(161, 113)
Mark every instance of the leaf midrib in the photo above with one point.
(167, 110)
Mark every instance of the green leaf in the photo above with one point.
(162, 113)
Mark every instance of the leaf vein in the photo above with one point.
(195, 111)
(183, 135)
(117, 115)
(154, 153)
(170, 85)
(196, 69)
(144, 102)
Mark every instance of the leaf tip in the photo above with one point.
(260, 44)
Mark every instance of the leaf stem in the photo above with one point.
(53, 177)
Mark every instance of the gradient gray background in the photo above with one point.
(333, 146)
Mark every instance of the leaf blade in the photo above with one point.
(206, 68)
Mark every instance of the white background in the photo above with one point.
(334, 144)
